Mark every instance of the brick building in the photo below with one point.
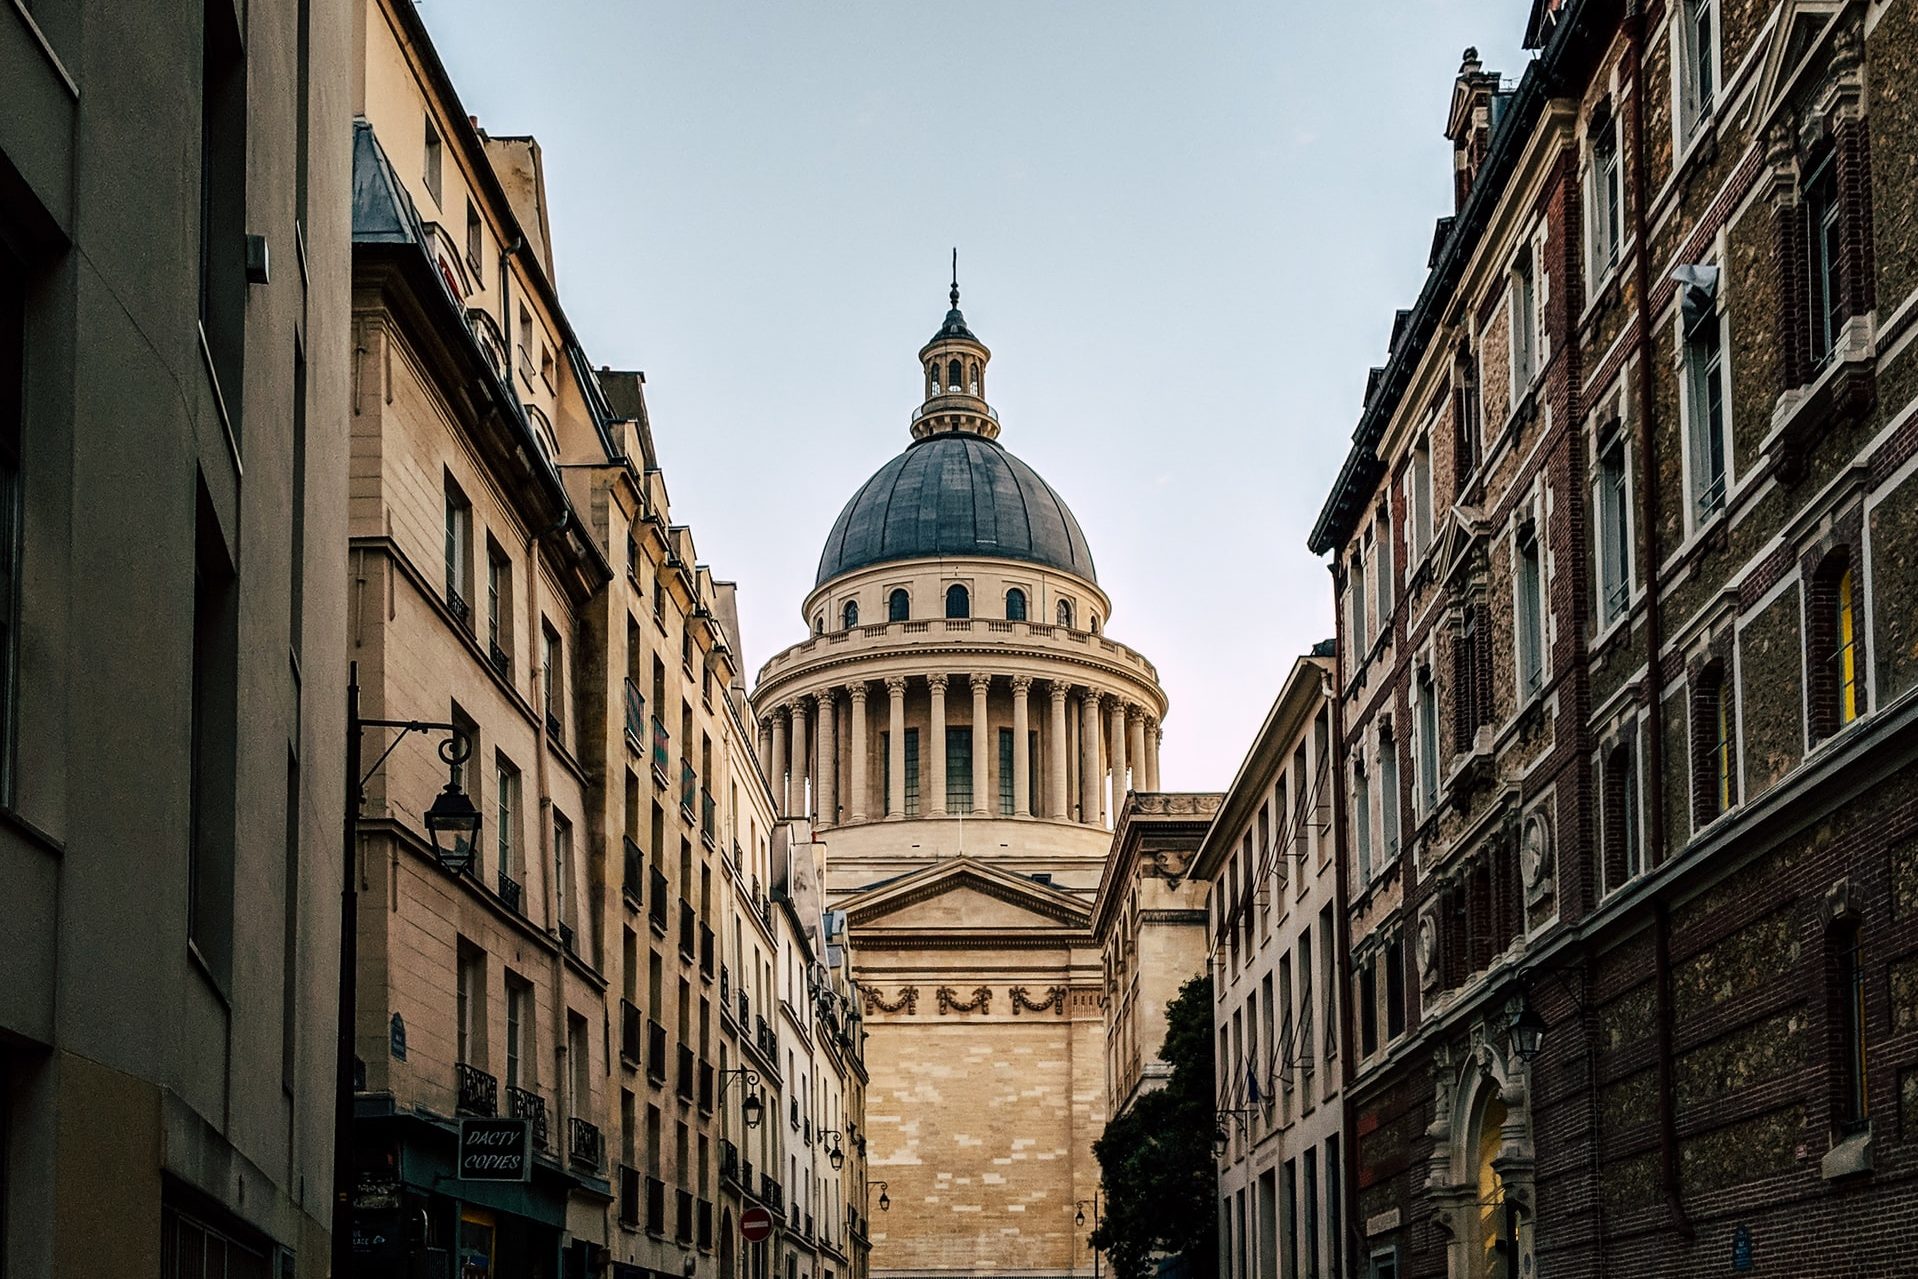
(1624, 561)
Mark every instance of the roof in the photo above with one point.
(955, 494)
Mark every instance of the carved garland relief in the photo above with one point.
(1051, 999)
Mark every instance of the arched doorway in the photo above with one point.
(1488, 1258)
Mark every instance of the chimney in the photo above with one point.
(1469, 125)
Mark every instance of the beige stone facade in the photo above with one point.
(173, 292)
(962, 732)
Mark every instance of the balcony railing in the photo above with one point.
(656, 904)
(746, 1182)
(771, 1193)
(688, 934)
(635, 718)
(509, 892)
(530, 1106)
(685, 1081)
(745, 1010)
(655, 1052)
(768, 1042)
(662, 749)
(478, 1091)
(683, 1216)
(708, 811)
(584, 1143)
(635, 880)
(502, 661)
(555, 729)
(707, 950)
(566, 937)
(629, 1184)
(632, 1047)
(725, 989)
(655, 1206)
(728, 1161)
(706, 1086)
(688, 788)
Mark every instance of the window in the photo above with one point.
(506, 815)
(1426, 703)
(1384, 1264)
(223, 150)
(1065, 613)
(473, 232)
(1394, 987)
(1015, 605)
(1713, 753)
(912, 772)
(1606, 196)
(1524, 323)
(213, 745)
(958, 601)
(849, 615)
(1311, 1196)
(432, 166)
(1382, 568)
(1388, 796)
(1614, 529)
(1418, 486)
(499, 608)
(519, 1027)
(470, 1004)
(1826, 303)
(12, 386)
(1355, 594)
(959, 770)
(1005, 772)
(546, 364)
(1468, 409)
(1362, 819)
(1624, 851)
(1845, 658)
(1697, 59)
(1530, 620)
(551, 671)
(1705, 398)
(1368, 1006)
(562, 869)
(898, 606)
(1853, 1107)
(459, 549)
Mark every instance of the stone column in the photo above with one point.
(936, 802)
(1021, 748)
(981, 746)
(766, 744)
(1117, 736)
(802, 739)
(1153, 735)
(828, 757)
(1057, 801)
(896, 754)
(1135, 745)
(780, 794)
(861, 795)
(1089, 757)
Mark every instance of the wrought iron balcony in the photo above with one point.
(688, 933)
(746, 1182)
(688, 788)
(768, 1042)
(745, 1010)
(655, 1207)
(478, 1091)
(554, 728)
(708, 811)
(635, 718)
(632, 1047)
(530, 1106)
(706, 951)
(635, 882)
(662, 750)
(685, 1081)
(501, 660)
(583, 1143)
(629, 1184)
(457, 602)
(655, 1052)
(771, 1193)
(725, 989)
(509, 892)
(656, 904)
(728, 1161)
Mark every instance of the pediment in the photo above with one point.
(1801, 32)
(968, 895)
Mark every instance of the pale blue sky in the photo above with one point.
(1183, 230)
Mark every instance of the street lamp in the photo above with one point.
(753, 1106)
(1528, 1031)
(885, 1201)
(837, 1155)
(1079, 1220)
(452, 814)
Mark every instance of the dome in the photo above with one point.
(955, 494)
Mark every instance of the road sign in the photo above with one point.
(755, 1225)
(495, 1150)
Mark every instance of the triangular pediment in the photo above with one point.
(965, 895)
(1801, 30)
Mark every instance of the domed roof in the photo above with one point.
(950, 495)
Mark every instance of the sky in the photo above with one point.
(1183, 229)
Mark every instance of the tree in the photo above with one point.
(1155, 1161)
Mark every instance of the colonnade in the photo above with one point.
(803, 740)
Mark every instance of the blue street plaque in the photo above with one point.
(396, 1037)
(1742, 1248)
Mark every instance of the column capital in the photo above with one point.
(980, 682)
(779, 712)
(896, 685)
(1135, 713)
(1059, 689)
(858, 690)
(797, 705)
(826, 696)
(1092, 697)
(1021, 683)
(936, 681)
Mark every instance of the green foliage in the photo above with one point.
(1155, 1161)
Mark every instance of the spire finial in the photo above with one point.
(955, 277)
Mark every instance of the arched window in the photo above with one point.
(898, 606)
(958, 601)
(819, 624)
(954, 379)
(1065, 613)
(1095, 623)
(972, 380)
(849, 615)
(932, 378)
(1015, 605)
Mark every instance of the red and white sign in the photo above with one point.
(755, 1225)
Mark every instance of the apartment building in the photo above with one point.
(1270, 873)
(173, 292)
(1625, 681)
(516, 574)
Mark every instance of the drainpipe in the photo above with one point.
(1649, 513)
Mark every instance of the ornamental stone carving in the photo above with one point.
(1535, 858)
(1055, 1000)
(1426, 950)
(907, 1001)
(949, 1001)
